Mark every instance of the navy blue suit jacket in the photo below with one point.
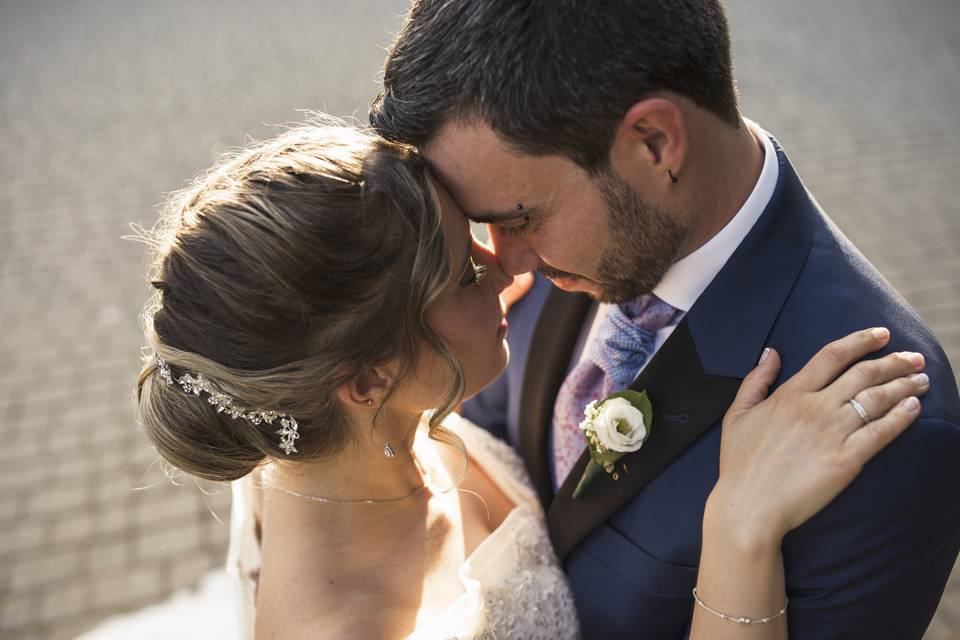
(872, 564)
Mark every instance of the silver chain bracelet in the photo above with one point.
(739, 619)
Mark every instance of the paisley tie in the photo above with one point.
(624, 343)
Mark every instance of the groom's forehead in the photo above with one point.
(484, 175)
(468, 148)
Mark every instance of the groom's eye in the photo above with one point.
(515, 227)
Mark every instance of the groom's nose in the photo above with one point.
(499, 279)
(514, 253)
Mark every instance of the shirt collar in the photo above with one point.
(689, 277)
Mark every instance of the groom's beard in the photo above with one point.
(643, 245)
(644, 242)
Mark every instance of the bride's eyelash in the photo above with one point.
(475, 273)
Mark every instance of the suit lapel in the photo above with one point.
(686, 402)
(551, 348)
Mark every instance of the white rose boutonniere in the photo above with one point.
(615, 426)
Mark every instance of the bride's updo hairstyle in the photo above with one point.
(284, 271)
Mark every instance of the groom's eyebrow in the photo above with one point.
(495, 217)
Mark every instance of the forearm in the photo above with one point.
(741, 574)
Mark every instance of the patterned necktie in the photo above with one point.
(623, 344)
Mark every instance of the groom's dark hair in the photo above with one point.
(551, 76)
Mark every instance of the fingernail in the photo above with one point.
(763, 356)
(881, 333)
(916, 359)
(911, 404)
(920, 379)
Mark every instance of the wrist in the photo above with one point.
(739, 528)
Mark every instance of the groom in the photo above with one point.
(603, 144)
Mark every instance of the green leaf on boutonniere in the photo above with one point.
(613, 429)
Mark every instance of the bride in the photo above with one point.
(321, 308)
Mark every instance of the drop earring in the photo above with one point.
(388, 451)
(674, 178)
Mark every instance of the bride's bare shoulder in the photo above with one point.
(311, 628)
(321, 590)
(360, 628)
(324, 609)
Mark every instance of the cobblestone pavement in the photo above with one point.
(106, 105)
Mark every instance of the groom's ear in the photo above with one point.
(651, 142)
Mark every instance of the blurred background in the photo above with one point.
(107, 104)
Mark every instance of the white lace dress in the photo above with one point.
(513, 585)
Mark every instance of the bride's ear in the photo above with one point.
(369, 389)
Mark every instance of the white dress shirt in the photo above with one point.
(689, 277)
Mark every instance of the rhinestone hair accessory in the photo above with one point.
(226, 404)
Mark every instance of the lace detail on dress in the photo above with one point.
(523, 592)
(535, 600)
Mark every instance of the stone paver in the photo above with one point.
(106, 105)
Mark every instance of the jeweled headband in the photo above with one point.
(226, 404)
